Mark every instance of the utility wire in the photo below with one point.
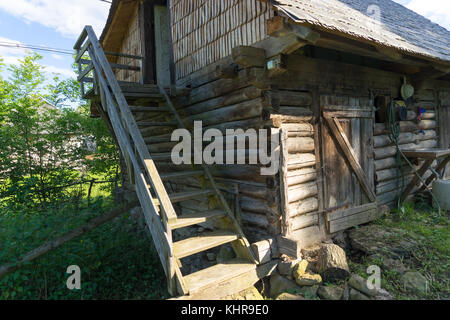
(34, 47)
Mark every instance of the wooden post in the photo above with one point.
(147, 33)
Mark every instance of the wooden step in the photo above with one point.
(183, 196)
(196, 218)
(157, 124)
(149, 140)
(218, 273)
(143, 95)
(208, 240)
(149, 109)
(181, 174)
(161, 156)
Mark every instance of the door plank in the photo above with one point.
(348, 151)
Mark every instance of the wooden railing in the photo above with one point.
(149, 187)
(85, 66)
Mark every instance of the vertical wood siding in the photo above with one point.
(131, 44)
(205, 31)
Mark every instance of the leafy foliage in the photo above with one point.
(45, 134)
(43, 139)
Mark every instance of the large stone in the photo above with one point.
(332, 292)
(415, 282)
(332, 263)
(311, 254)
(286, 267)
(289, 296)
(376, 239)
(383, 295)
(279, 284)
(359, 283)
(308, 279)
(309, 292)
(357, 295)
(300, 269)
(390, 264)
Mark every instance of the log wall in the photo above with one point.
(204, 32)
(414, 134)
(231, 104)
(298, 175)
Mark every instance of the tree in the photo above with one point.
(41, 136)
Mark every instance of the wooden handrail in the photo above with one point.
(134, 147)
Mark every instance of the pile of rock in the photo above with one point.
(303, 278)
(322, 272)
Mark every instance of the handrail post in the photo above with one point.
(134, 148)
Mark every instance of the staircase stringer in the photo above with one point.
(242, 245)
(139, 161)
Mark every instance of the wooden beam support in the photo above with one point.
(390, 53)
(228, 71)
(147, 33)
(247, 56)
(278, 27)
(349, 153)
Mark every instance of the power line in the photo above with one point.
(35, 47)
(40, 48)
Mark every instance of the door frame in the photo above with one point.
(343, 216)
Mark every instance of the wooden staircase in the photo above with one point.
(138, 115)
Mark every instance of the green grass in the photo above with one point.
(117, 261)
(431, 257)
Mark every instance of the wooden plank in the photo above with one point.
(357, 113)
(207, 240)
(413, 182)
(233, 285)
(432, 154)
(350, 155)
(218, 273)
(348, 212)
(283, 181)
(353, 220)
(124, 67)
(183, 196)
(181, 174)
(196, 218)
(264, 250)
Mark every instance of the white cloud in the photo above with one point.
(437, 11)
(67, 17)
(60, 71)
(56, 56)
(11, 55)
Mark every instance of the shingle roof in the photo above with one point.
(398, 28)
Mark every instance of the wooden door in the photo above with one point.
(347, 166)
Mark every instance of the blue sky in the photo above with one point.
(57, 23)
(50, 23)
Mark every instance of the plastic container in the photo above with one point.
(441, 189)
